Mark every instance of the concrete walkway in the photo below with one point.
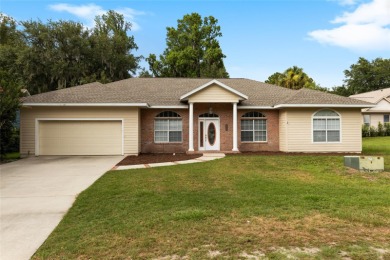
(206, 157)
(35, 194)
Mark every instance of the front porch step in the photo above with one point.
(220, 155)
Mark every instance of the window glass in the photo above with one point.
(253, 129)
(168, 127)
(326, 113)
(367, 119)
(246, 125)
(247, 136)
(319, 124)
(319, 136)
(326, 126)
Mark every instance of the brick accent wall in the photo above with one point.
(272, 144)
(225, 113)
(147, 133)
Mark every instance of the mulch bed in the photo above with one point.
(165, 157)
(294, 154)
(157, 158)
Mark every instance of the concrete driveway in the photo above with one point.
(36, 192)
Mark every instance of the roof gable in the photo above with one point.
(240, 95)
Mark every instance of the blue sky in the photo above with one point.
(260, 37)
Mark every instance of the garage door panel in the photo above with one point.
(80, 137)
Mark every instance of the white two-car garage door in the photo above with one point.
(80, 137)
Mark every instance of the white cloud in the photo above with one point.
(346, 2)
(88, 13)
(367, 28)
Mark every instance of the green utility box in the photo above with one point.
(365, 163)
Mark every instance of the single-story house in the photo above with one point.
(177, 115)
(380, 112)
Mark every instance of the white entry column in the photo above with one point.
(235, 147)
(191, 128)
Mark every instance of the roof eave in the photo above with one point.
(255, 107)
(85, 105)
(323, 105)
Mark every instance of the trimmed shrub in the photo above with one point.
(387, 129)
(365, 130)
(373, 131)
(380, 130)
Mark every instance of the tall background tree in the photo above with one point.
(57, 55)
(365, 76)
(11, 44)
(61, 54)
(293, 78)
(193, 50)
(112, 47)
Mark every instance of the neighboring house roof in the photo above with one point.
(373, 96)
(148, 92)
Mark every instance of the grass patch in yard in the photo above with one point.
(9, 157)
(376, 145)
(237, 207)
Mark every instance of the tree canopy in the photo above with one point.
(11, 44)
(60, 54)
(192, 50)
(365, 76)
(293, 78)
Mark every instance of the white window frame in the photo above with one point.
(168, 119)
(326, 130)
(253, 127)
(384, 118)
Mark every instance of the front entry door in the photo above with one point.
(209, 138)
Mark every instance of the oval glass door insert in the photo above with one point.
(211, 134)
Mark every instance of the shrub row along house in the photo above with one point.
(177, 115)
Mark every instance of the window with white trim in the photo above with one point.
(253, 127)
(168, 127)
(367, 119)
(326, 126)
(386, 118)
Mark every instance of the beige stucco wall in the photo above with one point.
(283, 131)
(213, 94)
(130, 116)
(298, 131)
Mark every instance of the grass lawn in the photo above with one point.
(239, 207)
(376, 145)
(9, 157)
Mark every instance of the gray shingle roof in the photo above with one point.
(309, 96)
(167, 91)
